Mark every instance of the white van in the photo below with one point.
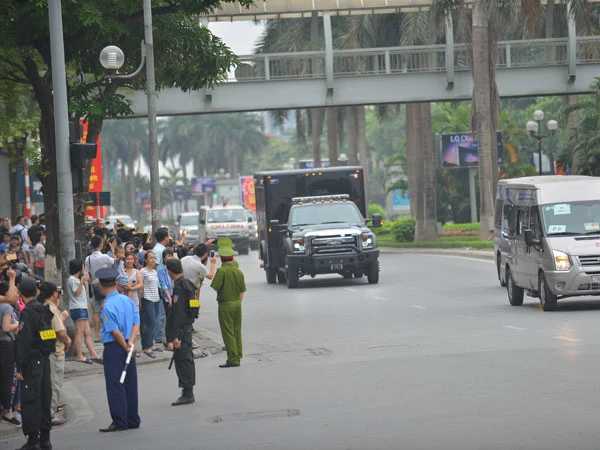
(547, 237)
(225, 221)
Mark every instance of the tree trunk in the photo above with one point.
(123, 188)
(413, 127)
(426, 228)
(332, 131)
(352, 136)
(362, 146)
(483, 116)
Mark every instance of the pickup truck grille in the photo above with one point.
(334, 244)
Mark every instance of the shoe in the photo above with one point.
(97, 360)
(195, 344)
(228, 365)
(185, 399)
(58, 421)
(112, 427)
(30, 446)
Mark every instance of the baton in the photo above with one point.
(127, 361)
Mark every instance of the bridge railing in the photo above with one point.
(423, 59)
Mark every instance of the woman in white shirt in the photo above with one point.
(78, 310)
(150, 304)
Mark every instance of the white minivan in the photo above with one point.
(547, 237)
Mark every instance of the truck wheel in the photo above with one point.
(499, 270)
(547, 299)
(373, 275)
(292, 277)
(281, 277)
(271, 275)
(515, 293)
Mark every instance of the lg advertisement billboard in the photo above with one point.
(462, 150)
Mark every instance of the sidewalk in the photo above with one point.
(209, 344)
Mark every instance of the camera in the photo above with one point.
(212, 253)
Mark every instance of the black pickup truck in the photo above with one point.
(313, 222)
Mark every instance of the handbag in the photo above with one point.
(40, 264)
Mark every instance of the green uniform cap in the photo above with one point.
(226, 251)
(224, 242)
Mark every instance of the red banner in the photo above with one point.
(248, 195)
(95, 174)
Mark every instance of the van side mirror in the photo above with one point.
(376, 220)
(529, 239)
(250, 219)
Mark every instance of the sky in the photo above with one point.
(240, 36)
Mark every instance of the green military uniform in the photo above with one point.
(229, 284)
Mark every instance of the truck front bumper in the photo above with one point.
(333, 263)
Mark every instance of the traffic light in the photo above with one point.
(80, 153)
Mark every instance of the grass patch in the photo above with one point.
(461, 227)
(451, 242)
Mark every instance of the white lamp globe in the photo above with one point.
(538, 115)
(532, 126)
(552, 125)
(112, 57)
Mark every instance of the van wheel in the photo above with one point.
(292, 277)
(515, 293)
(373, 274)
(548, 300)
(499, 270)
(271, 275)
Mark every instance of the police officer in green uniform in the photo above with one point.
(36, 340)
(230, 286)
(180, 319)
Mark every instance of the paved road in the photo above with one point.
(433, 357)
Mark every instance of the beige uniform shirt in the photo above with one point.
(57, 325)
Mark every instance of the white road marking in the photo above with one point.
(418, 306)
(350, 289)
(512, 327)
(566, 338)
(383, 299)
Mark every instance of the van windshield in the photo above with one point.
(571, 218)
(189, 220)
(225, 215)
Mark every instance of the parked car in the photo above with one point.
(252, 229)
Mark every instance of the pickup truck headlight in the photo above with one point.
(561, 260)
(298, 245)
(368, 240)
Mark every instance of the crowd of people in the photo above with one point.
(128, 283)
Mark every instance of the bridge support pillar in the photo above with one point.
(328, 52)
(449, 52)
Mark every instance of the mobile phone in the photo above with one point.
(11, 257)
(212, 253)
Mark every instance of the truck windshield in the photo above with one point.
(225, 215)
(328, 213)
(564, 219)
(189, 220)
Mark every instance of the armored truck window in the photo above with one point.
(325, 213)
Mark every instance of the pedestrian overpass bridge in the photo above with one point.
(386, 75)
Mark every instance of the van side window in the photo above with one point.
(534, 222)
(509, 221)
(498, 210)
(521, 221)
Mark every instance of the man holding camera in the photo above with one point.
(194, 266)
(184, 310)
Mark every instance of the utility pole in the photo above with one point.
(66, 217)
(152, 128)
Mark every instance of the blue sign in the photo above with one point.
(400, 200)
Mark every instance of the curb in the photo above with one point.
(466, 252)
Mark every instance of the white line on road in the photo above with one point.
(383, 299)
(512, 327)
(566, 338)
(418, 306)
(350, 289)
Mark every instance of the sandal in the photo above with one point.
(60, 406)
(150, 353)
(85, 361)
(98, 360)
(12, 420)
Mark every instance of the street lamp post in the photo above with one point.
(112, 59)
(534, 128)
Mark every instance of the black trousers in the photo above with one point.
(36, 396)
(184, 361)
(7, 374)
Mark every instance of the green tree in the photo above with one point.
(191, 58)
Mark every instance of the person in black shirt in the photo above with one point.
(35, 341)
(180, 319)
